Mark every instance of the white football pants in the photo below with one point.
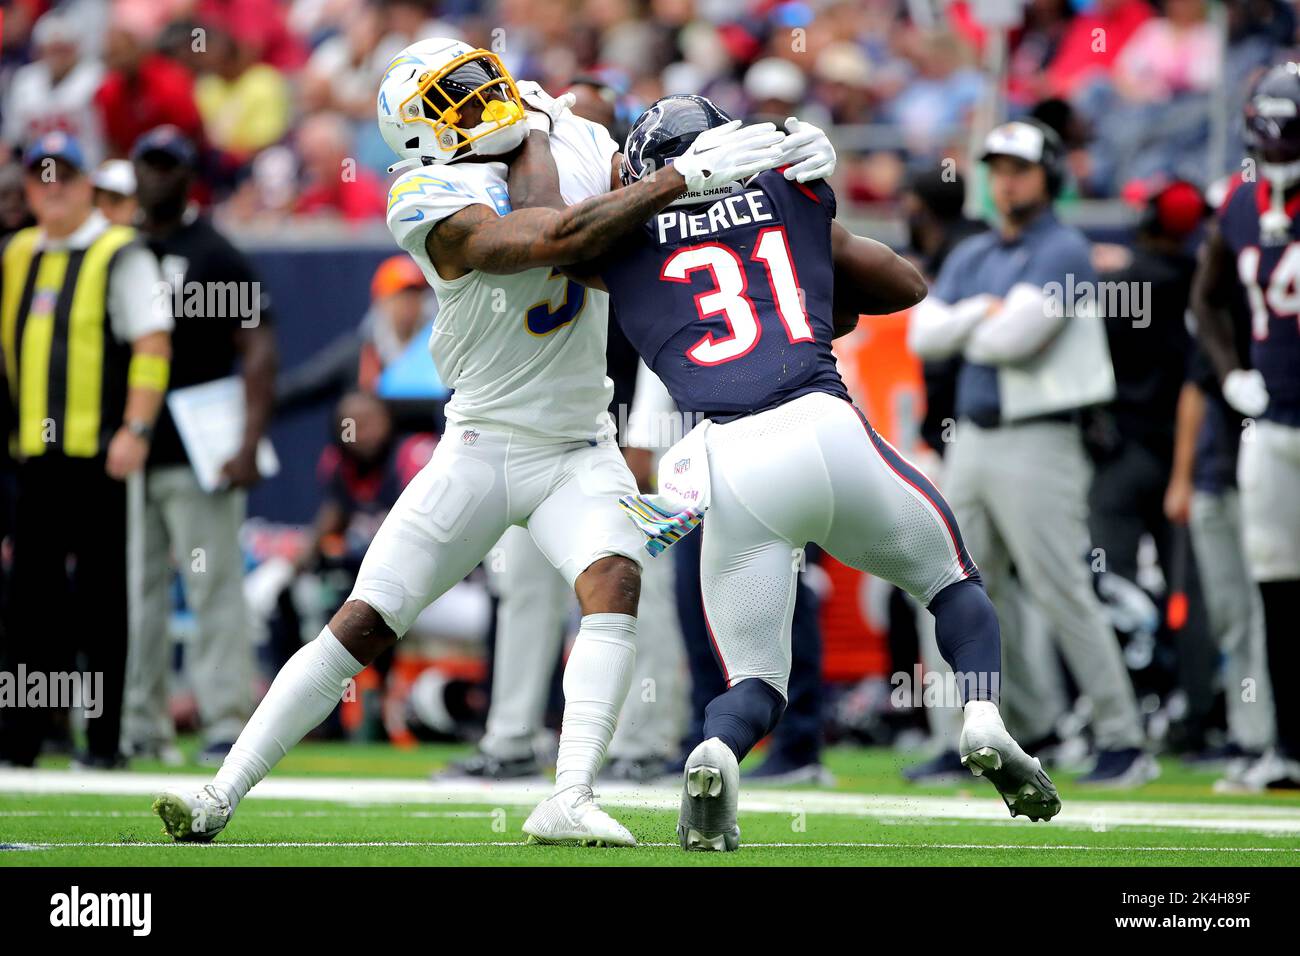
(1268, 475)
(813, 470)
(477, 485)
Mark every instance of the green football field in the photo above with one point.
(340, 804)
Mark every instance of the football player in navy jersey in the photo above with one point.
(1255, 246)
(732, 298)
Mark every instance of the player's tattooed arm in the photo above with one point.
(1210, 303)
(534, 180)
(477, 238)
(588, 273)
(534, 183)
(870, 279)
(615, 171)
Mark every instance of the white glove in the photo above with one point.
(729, 152)
(544, 110)
(808, 151)
(1244, 390)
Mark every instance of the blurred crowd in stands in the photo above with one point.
(281, 92)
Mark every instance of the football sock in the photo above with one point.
(307, 689)
(1281, 601)
(966, 630)
(744, 715)
(596, 681)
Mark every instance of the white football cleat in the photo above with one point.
(572, 817)
(710, 792)
(1272, 771)
(988, 751)
(193, 816)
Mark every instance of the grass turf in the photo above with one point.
(90, 830)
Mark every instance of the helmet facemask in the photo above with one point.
(476, 78)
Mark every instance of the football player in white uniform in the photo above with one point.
(528, 440)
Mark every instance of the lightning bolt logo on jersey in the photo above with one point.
(730, 302)
(524, 351)
(1269, 268)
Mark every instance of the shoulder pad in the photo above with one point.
(421, 197)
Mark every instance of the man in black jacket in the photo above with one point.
(1133, 439)
(221, 324)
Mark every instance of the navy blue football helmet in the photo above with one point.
(1273, 115)
(665, 131)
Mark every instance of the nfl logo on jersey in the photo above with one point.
(44, 300)
(681, 466)
(469, 436)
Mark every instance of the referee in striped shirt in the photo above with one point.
(85, 332)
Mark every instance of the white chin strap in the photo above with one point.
(1281, 175)
(499, 141)
(1274, 223)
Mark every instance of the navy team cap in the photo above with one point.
(59, 146)
(167, 140)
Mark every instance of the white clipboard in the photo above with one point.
(210, 421)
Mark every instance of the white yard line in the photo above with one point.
(353, 814)
(1083, 814)
(254, 811)
(334, 845)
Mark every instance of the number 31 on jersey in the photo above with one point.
(729, 296)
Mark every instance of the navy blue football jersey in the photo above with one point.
(729, 302)
(1270, 275)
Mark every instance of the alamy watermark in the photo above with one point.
(82, 691)
(77, 908)
(210, 300)
(1072, 298)
(935, 688)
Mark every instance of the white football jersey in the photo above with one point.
(523, 351)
